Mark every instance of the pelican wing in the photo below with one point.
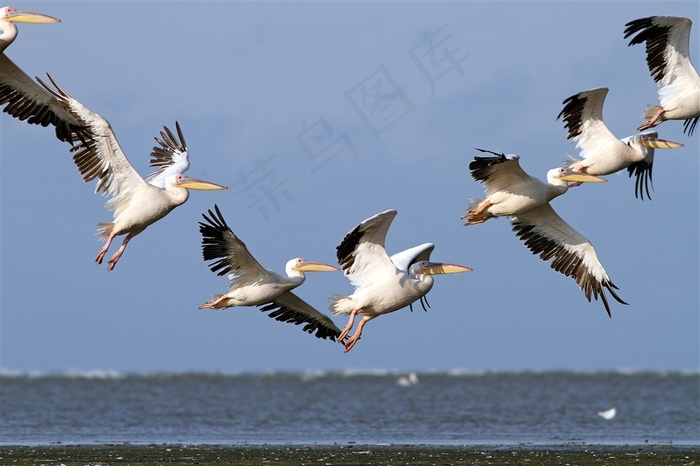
(230, 255)
(546, 234)
(642, 170)
(404, 259)
(100, 155)
(26, 100)
(498, 172)
(361, 254)
(667, 45)
(288, 307)
(171, 158)
(583, 119)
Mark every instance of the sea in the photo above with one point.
(444, 408)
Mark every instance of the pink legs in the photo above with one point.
(358, 333)
(113, 261)
(214, 302)
(478, 215)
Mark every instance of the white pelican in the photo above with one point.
(25, 99)
(250, 284)
(381, 285)
(137, 203)
(602, 152)
(608, 413)
(513, 193)
(668, 58)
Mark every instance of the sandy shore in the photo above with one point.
(415, 455)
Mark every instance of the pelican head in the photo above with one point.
(13, 15)
(303, 265)
(182, 181)
(436, 268)
(650, 139)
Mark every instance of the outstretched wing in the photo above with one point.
(27, 101)
(99, 156)
(583, 119)
(498, 172)
(667, 45)
(288, 307)
(546, 234)
(171, 158)
(229, 254)
(361, 254)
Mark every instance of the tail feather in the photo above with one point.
(104, 229)
(339, 304)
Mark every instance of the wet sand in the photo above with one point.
(337, 455)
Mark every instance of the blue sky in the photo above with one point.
(317, 116)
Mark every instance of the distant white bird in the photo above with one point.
(250, 284)
(525, 200)
(602, 152)
(25, 99)
(608, 414)
(668, 58)
(137, 203)
(407, 381)
(381, 285)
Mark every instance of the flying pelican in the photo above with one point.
(602, 152)
(25, 99)
(137, 203)
(513, 193)
(381, 285)
(250, 284)
(668, 58)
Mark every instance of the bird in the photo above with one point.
(608, 413)
(667, 41)
(23, 97)
(249, 284)
(525, 200)
(602, 152)
(136, 202)
(381, 285)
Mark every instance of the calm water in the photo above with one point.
(340, 408)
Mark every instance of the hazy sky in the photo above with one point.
(317, 116)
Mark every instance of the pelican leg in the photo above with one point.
(214, 302)
(348, 327)
(113, 261)
(478, 215)
(358, 333)
(103, 251)
(653, 118)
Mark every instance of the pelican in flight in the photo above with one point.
(513, 193)
(25, 99)
(250, 284)
(602, 152)
(136, 202)
(382, 285)
(668, 58)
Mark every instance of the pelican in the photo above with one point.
(250, 284)
(668, 58)
(25, 99)
(513, 193)
(136, 202)
(602, 152)
(381, 285)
